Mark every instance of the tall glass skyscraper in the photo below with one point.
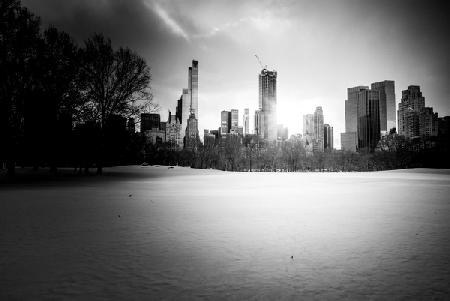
(387, 104)
(368, 120)
(349, 139)
(193, 87)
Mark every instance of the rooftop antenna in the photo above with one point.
(260, 63)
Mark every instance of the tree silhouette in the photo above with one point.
(19, 37)
(117, 83)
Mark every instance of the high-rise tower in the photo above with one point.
(327, 137)
(318, 129)
(268, 103)
(368, 119)
(193, 87)
(387, 104)
(246, 121)
(414, 119)
(349, 139)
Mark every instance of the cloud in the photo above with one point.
(168, 21)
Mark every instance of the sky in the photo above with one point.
(319, 49)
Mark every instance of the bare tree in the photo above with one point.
(117, 82)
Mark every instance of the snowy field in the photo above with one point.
(154, 232)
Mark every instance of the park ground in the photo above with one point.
(179, 233)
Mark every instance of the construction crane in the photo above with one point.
(259, 61)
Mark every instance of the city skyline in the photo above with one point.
(316, 61)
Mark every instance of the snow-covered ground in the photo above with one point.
(152, 232)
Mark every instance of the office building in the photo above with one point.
(193, 88)
(234, 120)
(152, 129)
(414, 119)
(268, 103)
(246, 122)
(191, 139)
(327, 137)
(318, 128)
(428, 123)
(368, 120)
(173, 132)
(225, 122)
(386, 90)
(308, 132)
(349, 139)
(150, 121)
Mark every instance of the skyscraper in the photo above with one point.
(225, 122)
(368, 119)
(193, 87)
(246, 121)
(182, 111)
(387, 104)
(234, 118)
(308, 131)
(411, 104)
(308, 125)
(327, 137)
(268, 103)
(414, 119)
(349, 140)
(318, 128)
(192, 139)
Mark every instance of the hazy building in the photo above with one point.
(308, 125)
(193, 88)
(259, 124)
(246, 122)
(318, 128)
(237, 130)
(282, 132)
(349, 141)
(386, 90)
(234, 120)
(308, 131)
(268, 103)
(225, 122)
(368, 120)
(209, 139)
(327, 137)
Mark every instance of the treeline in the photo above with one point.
(249, 154)
(60, 102)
